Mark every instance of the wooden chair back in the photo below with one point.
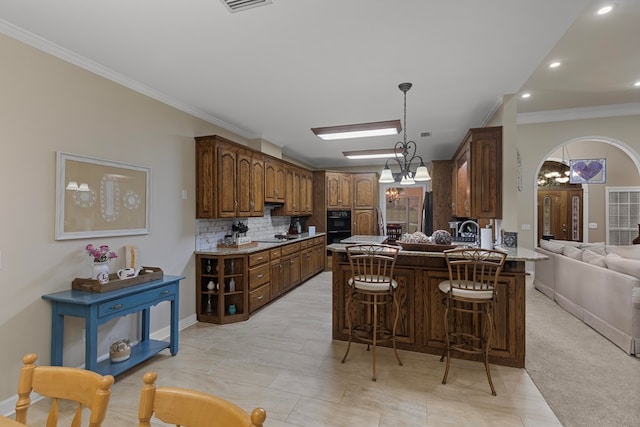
(474, 271)
(88, 389)
(185, 407)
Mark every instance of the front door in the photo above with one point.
(560, 214)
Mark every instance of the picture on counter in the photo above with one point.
(587, 171)
(96, 198)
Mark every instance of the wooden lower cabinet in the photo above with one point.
(242, 284)
(421, 322)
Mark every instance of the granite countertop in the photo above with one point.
(261, 246)
(358, 238)
(513, 254)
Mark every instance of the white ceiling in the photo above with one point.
(275, 71)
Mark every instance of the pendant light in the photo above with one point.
(405, 155)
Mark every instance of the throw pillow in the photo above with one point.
(551, 246)
(623, 265)
(632, 252)
(573, 252)
(593, 258)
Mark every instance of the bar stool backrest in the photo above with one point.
(372, 265)
(473, 272)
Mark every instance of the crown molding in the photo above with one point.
(583, 113)
(67, 55)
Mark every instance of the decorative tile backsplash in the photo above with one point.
(211, 231)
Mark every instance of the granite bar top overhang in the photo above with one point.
(513, 254)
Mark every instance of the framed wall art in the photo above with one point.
(587, 171)
(97, 198)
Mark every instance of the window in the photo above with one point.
(623, 214)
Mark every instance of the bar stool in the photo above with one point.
(372, 286)
(470, 294)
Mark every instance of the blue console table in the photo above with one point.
(98, 308)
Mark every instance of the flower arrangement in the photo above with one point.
(100, 254)
(241, 227)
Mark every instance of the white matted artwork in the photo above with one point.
(97, 198)
(587, 171)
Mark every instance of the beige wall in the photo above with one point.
(48, 105)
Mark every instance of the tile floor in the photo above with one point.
(283, 359)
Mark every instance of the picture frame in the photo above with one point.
(100, 198)
(587, 171)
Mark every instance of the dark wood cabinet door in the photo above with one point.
(243, 182)
(276, 278)
(205, 180)
(364, 222)
(257, 185)
(365, 190)
(274, 187)
(226, 181)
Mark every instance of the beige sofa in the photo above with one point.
(596, 283)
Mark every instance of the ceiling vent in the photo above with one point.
(238, 5)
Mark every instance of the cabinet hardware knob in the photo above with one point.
(259, 297)
(260, 276)
(164, 292)
(115, 307)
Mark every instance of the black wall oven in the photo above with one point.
(338, 225)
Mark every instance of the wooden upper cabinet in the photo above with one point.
(274, 187)
(338, 190)
(205, 180)
(292, 191)
(229, 179)
(477, 174)
(226, 178)
(365, 188)
(306, 192)
(256, 202)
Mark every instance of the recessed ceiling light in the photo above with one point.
(554, 64)
(637, 84)
(361, 130)
(525, 95)
(604, 10)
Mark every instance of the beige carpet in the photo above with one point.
(585, 379)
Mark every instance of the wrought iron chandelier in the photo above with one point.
(402, 150)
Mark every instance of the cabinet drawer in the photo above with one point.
(259, 297)
(290, 249)
(275, 253)
(318, 241)
(130, 302)
(304, 244)
(258, 276)
(258, 258)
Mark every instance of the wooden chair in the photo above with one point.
(86, 388)
(373, 287)
(185, 407)
(470, 295)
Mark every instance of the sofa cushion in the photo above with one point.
(623, 265)
(632, 252)
(567, 242)
(554, 247)
(593, 258)
(572, 252)
(597, 247)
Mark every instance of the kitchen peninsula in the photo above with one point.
(420, 325)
